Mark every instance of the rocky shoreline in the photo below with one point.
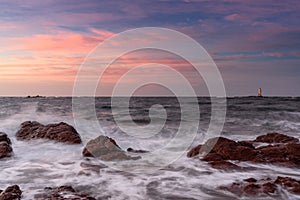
(221, 153)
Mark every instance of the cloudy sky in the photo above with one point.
(254, 43)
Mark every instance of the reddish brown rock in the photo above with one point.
(11, 193)
(269, 187)
(60, 132)
(224, 165)
(62, 193)
(276, 138)
(106, 149)
(252, 189)
(285, 151)
(194, 151)
(288, 183)
(5, 146)
(263, 186)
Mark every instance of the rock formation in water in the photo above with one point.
(253, 187)
(273, 148)
(60, 132)
(106, 149)
(62, 193)
(5, 146)
(11, 193)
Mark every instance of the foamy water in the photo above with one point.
(42, 163)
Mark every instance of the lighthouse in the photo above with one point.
(259, 92)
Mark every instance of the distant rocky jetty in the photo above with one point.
(61, 132)
(5, 146)
(272, 148)
(106, 149)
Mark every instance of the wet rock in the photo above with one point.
(4, 138)
(282, 150)
(5, 146)
(106, 149)
(224, 165)
(62, 193)
(264, 186)
(131, 150)
(276, 138)
(250, 180)
(194, 151)
(252, 189)
(269, 187)
(11, 193)
(290, 184)
(60, 132)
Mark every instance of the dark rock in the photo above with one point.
(11, 193)
(194, 151)
(284, 151)
(269, 188)
(250, 180)
(292, 185)
(4, 138)
(276, 138)
(224, 165)
(252, 189)
(212, 157)
(5, 146)
(60, 132)
(62, 193)
(106, 149)
(264, 186)
(131, 150)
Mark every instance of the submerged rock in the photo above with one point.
(281, 150)
(131, 150)
(253, 187)
(5, 146)
(61, 132)
(106, 149)
(11, 193)
(62, 193)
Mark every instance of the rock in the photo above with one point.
(60, 132)
(250, 180)
(106, 149)
(284, 151)
(11, 193)
(263, 186)
(252, 189)
(276, 138)
(62, 193)
(5, 146)
(194, 151)
(4, 138)
(224, 165)
(290, 184)
(131, 150)
(269, 188)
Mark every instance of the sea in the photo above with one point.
(42, 163)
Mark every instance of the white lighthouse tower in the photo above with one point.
(259, 92)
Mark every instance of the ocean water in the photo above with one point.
(42, 163)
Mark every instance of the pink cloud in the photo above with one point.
(234, 17)
(274, 54)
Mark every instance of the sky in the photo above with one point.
(254, 43)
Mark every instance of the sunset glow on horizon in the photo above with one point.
(254, 43)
